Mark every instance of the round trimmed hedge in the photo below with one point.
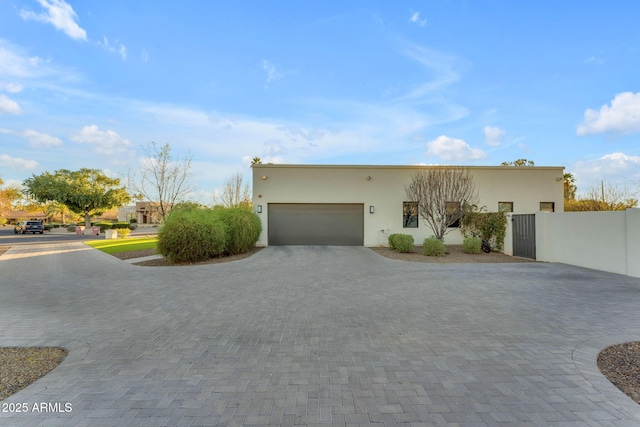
(192, 236)
(433, 247)
(243, 228)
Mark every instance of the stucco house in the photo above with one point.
(361, 205)
(142, 212)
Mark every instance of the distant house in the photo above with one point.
(13, 217)
(362, 205)
(142, 212)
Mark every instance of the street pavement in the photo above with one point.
(314, 336)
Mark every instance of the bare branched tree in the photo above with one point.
(235, 193)
(161, 180)
(442, 194)
(605, 197)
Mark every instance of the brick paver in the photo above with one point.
(315, 336)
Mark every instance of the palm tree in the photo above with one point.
(256, 161)
(56, 208)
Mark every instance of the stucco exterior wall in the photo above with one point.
(607, 241)
(383, 187)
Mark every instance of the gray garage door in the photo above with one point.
(316, 224)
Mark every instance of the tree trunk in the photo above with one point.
(87, 223)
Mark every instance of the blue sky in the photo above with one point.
(88, 84)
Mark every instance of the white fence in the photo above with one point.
(607, 241)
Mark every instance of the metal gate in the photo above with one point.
(524, 235)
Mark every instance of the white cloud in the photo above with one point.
(617, 168)
(41, 140)
(493, 135)
(105, 142)
(17, 163)
(59, 14)
(272, 73)
(11, 87)
(415, 18)
(452, 149)
(9, 106)
(118, 49)
(622, 117)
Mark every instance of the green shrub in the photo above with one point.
(48, 227)
(472, 245)
(403, 243)
(433, 247)
(191, 236)
(392, 241)
(133, 221)
(55, 225)
(491, 226)
(133, 226)
(71, 228)
(120, 225)
(243, 229)
(123, 233)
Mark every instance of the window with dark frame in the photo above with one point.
(547, 206)
(505, 206)
(453, 209)
(410, 214)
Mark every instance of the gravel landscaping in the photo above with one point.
(454, 255)
(21, 366)
(620, 363)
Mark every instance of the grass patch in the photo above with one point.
(123, 245)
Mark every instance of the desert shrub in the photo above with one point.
(48, 227)
(392, 241)
(123, 233)
(133, 226)
(433, 247)
(121, 225)
(403, 243)
(243, 228)
(133, 221)
(191, 236)
(55, 225)
(71, 228)
(472, 245)
(491, 226)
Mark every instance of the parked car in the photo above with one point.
(28, 227)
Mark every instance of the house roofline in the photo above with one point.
(307, 166)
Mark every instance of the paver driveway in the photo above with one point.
(314, 335)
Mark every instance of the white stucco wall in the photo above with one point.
(384, 188)
(606, 241)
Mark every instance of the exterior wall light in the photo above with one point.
(368, 178)
(372, 209)
(259, 208)
(264, 176)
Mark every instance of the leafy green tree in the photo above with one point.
(86, 192)
(519, 162)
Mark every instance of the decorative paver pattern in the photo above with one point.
(315, 336)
